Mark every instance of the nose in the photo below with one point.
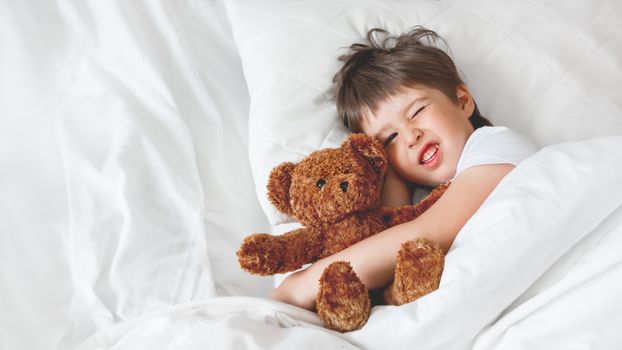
(413, 137)
(343, 186)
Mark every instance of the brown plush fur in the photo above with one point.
(334, 193)
(342, 301)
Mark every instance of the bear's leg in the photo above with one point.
(343, 300)
(417, 272)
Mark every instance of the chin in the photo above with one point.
(438, 177)
(442, 179)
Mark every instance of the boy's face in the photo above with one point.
(423, 132)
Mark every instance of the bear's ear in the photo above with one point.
(367, 149)
(279, 183)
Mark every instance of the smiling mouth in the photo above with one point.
(428, 154)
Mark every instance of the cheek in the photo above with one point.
(400, 162)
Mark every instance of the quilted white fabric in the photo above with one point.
(123, 165)
(549, 69)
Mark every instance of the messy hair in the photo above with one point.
(373, 71)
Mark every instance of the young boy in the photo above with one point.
(406, 93)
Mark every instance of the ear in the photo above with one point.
(279, 182)
(465, 100)
(367, 149)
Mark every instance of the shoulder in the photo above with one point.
(495, 145)
(498, 136)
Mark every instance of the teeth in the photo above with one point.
(429, 153)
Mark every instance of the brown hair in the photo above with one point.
(374, 71)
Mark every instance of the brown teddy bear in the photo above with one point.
(334, 193)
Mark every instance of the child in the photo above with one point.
(406, 93)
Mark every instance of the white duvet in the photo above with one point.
(537, 267)
(124, 168)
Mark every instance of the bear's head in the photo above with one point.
(331, 183)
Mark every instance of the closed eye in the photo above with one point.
(417, 112)
(388, 140)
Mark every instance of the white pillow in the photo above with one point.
(547, 70)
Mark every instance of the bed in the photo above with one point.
(137, 137)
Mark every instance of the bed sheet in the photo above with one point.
(125, 184)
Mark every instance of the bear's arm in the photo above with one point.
(399, 215)
(302, 246)
(264, 254)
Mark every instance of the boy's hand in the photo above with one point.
(297, 289)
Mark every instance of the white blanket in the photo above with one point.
(537, 267)
(124, 168)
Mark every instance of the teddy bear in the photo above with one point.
(334, 193)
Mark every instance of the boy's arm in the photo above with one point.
(373, 259)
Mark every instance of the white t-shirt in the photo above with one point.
(494, 145)
(489, 145)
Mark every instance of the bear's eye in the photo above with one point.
(320, 183)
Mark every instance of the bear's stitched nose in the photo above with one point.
(343, 186)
